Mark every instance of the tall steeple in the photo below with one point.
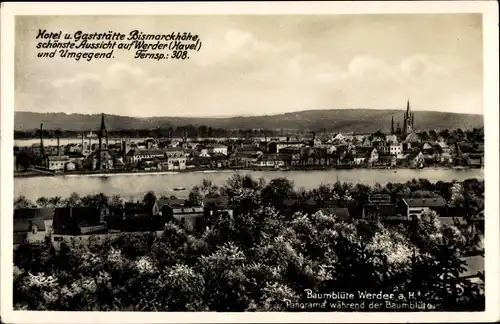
(392, 125)
(103, 126)
(408, 124)
(103, 145)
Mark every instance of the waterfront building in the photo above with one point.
(57, 162)
(137, 155)
(276, 147)
(176, 158)
(217, 149)
(390, 148)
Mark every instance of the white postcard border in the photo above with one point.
(489, 10)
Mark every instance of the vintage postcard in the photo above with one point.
(250, 162)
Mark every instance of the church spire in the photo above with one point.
(103, 126)
(408, 108)
(392, 125)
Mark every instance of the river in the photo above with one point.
(134, 186)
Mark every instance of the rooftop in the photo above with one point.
(453, 221)
(27, 213)
(342, 213)
(381, 210)
(191, 210)
(58, 158)
(425, 202)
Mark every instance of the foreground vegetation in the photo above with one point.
(259, 259)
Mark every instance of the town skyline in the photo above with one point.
(306, 63)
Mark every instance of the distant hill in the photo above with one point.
(335, 120)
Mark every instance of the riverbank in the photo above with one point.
(38, 173)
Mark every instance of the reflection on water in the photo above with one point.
(134, 186)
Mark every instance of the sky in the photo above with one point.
(261, 65)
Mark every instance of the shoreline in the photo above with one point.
(33, 174)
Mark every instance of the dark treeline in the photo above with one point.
(190, 131)
(258, 259)
(203, 131)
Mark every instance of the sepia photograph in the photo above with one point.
(243, 162)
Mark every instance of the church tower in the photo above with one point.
(408, 120)
(392, 126)
(103, 146)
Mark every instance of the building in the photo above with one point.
(379, 199)
(372, 156)
(32, 225)
(453, 221)
(477, 222)
(191, 218)
(415, 207)
(386, 160)
(342, 213)
(408, 123)
(365, 155)
(382, 212)
(136, 155)
(217, 149)
(276, 147)
(391, 148)
(416, 159)
(219, 160)
(176, 203)
(78, 220)
(104, 159)
(176, 158)
(269, 160)
(57, 162)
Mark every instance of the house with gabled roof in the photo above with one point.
(415, 207)
(32, 225)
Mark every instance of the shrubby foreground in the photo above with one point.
(259, 259)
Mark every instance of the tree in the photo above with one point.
(149, 198)
(378, 134)
(276, 191)
(225, 279)
(195, 198)
(42, 202)
(116, 202)
(23, 159)
(23, 202)
(445, 133)
(99, 200)
(73, 200)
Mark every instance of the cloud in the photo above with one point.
(419, 65)
(236, 46)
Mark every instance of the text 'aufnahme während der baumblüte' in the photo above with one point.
(360, 301)
(81, 45)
